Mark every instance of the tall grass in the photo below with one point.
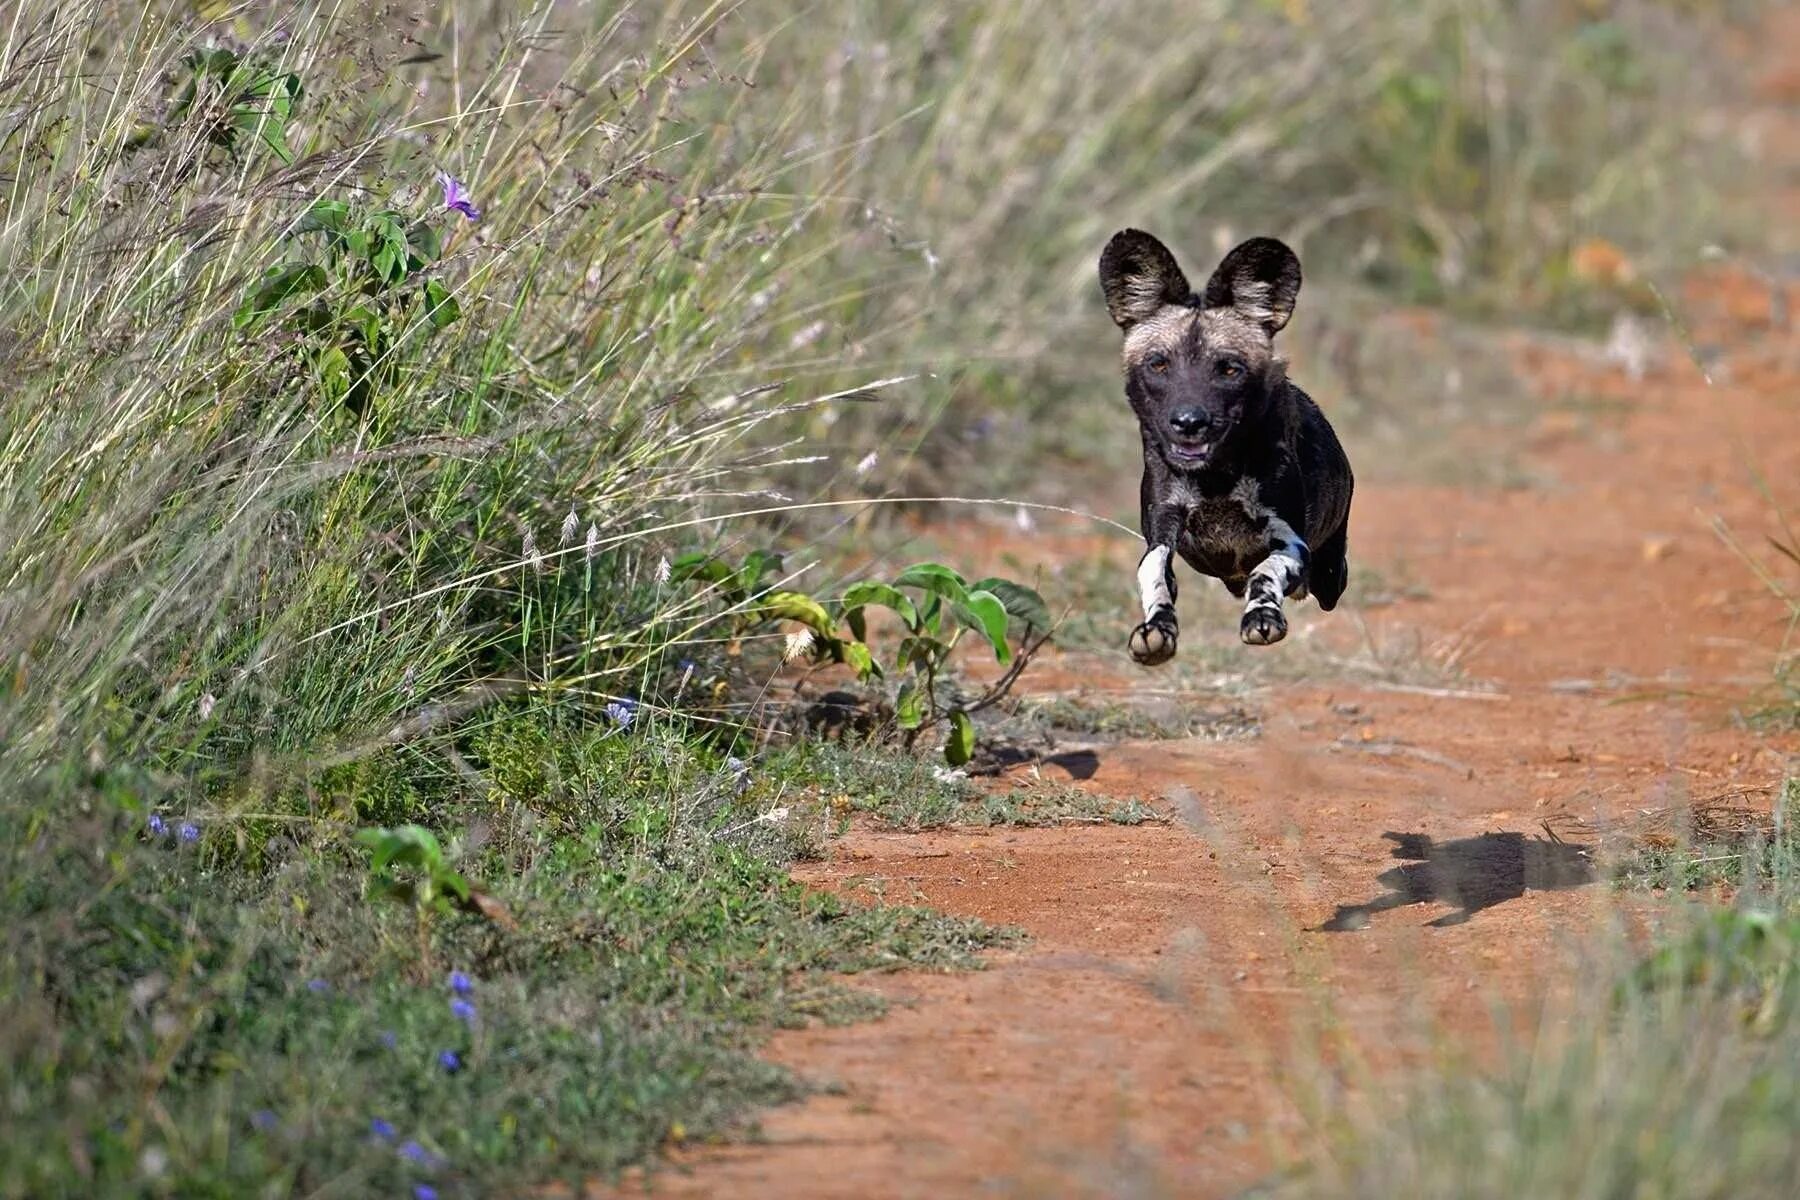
(283, 566)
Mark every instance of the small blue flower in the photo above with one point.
(188, 832)
(156, 824)
(450, 1060)
(390, 1039)
(622, 711)
(264, 1119)
(685, 665)
(318, 987)
(413, 1152)
(456, 198)
(461, 984)
(424, 1191)
(381, 1129)
(464, 1011)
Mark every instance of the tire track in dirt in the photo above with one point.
(1175, 992)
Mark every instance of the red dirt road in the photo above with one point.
(1165, 1014)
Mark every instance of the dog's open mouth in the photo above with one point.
(1190, 454)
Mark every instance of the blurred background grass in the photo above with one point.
(726, 252)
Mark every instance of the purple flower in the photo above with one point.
(156, 824)
(188, 832)
(622, 711)
(424, 1191)
(450, 1060)
(264, 1119)
(381, 1129)
(456, 198)
(461, 984)
(413, 1152)
(318, 987)
(390, 1039)
(464, 1011)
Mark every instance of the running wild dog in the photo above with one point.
(1243, 476)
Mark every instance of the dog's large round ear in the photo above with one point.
(1260, 279)
(1139, 276)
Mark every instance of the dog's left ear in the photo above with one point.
(1260, 279)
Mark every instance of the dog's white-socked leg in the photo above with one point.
(1282, 573)
(1153, 641)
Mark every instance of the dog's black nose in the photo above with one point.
(1189, 422)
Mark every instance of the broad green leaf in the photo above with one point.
(860, 595)
(758, 564)
(860, 659)
(984, 613)
(413, 845)
(798, 606)
(934, 578)
(931, 615)
(426, 241)
(1023, 604)
(279, 284)
(909, 705)
(329, 216)
(959, 747)
(334, 373)
(700, 565)
(441, 307)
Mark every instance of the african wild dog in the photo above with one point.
(1243, 476)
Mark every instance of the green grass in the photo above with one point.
(266, 1019)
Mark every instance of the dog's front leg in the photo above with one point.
(1282, 573)
(1153, 641)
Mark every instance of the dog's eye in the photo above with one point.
(1156, 362)
(1228, 368)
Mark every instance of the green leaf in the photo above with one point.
(425, 241)
(1023, 604)
(757, 565)
(909, 705)
(441, 307)
(329, 216)
(701, 565)
(859, 595)
(959, 747)
(334, 373)
(410, 845)
(984, 613)
(934, 578)
(860, 659)
(797, 606)
(279, 284)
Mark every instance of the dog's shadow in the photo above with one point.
(1472, 873)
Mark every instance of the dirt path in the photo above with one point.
(1166, 1010)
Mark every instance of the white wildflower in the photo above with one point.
(207, 702)
(570, 524)
(868, 463)
(663, 569)
(798, 643)
(1023, 519)
(593, 542)
(948, 774)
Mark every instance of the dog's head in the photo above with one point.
(1198, 365)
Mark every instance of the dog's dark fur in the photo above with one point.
(1243, 476)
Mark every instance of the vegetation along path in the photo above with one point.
(1371, 863)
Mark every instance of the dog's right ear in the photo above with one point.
(1139, 276)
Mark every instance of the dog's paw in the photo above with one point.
(1153, 642)
(1263, 625)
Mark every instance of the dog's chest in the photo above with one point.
(1223, 535)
